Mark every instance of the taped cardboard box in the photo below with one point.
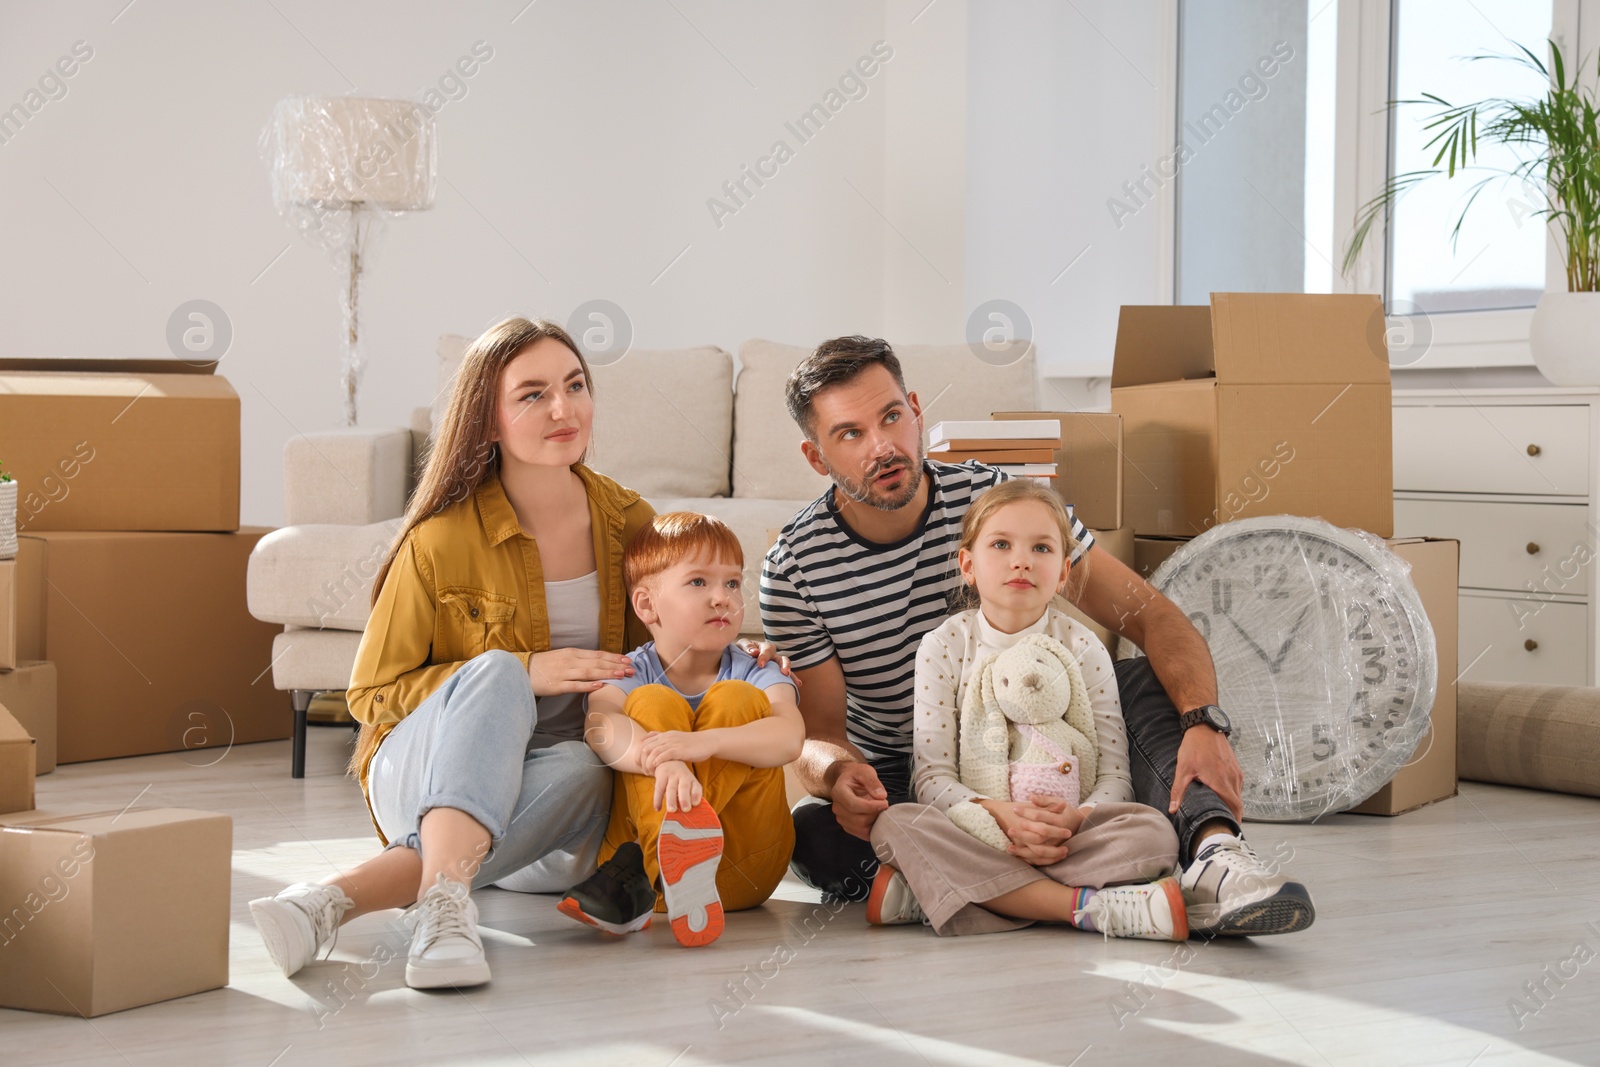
(1261, 404)
(8, 614)
(155, 650)
(29, 693)
(120, 444)
(1088, 463)
(1430, 774)
(113, 909)
(16, 765)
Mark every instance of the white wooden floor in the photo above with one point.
(1428, 926)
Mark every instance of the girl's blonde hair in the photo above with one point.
(1009, 492)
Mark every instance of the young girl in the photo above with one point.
(1104, 865)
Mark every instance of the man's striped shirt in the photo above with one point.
(827, 591)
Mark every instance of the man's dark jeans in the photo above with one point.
(842, 865)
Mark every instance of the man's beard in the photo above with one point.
(864, 490)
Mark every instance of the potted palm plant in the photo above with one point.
(1557, 143)
(8, 514)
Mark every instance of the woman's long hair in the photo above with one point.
(462, 456)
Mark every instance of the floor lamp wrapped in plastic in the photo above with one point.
(340, 166)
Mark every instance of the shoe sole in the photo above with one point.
(880, 889)
(1287, 911)
(275, 920)
(1176, 908)
(573, 910)
(448, 975)
(690, 851)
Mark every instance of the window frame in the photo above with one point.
(1363, 136)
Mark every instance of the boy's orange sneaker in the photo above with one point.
(690, 850)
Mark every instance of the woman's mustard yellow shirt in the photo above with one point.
(467, 580)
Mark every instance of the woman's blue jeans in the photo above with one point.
(466, 747)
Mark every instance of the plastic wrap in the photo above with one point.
(332, 157)
(1326, 662)
(339, 166)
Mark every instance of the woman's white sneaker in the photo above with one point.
(446, 951)
(1230, 892)
(298, 922)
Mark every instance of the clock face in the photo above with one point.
(1325, 659)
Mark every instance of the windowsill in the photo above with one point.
(1462, 339)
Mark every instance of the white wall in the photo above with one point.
(1065, 103)
(577, 166)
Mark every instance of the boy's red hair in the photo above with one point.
(674, 537)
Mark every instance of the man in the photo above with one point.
(857, 578)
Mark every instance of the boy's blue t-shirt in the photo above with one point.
(737, 665)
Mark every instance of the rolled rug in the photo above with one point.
(1537, 736)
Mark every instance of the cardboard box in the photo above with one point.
(1430, 774)
(120, 444)
(8, 614)
(154, 648)
(16, 765)
(1088, 463)
(1261, 404)
(29, 693)
(1119, 543)
(111, 910)
(1151, 552)
(29, 601)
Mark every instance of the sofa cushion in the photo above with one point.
(950, 381)
(317, 576)
(663, 419)
(750, 521)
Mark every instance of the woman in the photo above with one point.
(500, 606)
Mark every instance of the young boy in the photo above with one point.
(698, 737)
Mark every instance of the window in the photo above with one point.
(1255, 134)
(1498, 261)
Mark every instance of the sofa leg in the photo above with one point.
(300, 699)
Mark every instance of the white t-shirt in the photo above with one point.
(944, 668)
(573, 607)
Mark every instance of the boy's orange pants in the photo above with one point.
(757, 831)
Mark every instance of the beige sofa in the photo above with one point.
(680, 426)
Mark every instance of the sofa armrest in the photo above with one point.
(349, 477)
(317, 576)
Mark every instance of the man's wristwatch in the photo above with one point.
(1210, 715)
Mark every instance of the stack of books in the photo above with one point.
(1023, 448)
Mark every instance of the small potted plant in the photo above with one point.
(8, 514)
(1557, 140)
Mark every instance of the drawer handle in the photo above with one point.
(1533, 450)
(1533, 548)
(1530, 644)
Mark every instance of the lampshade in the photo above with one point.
(353, 150)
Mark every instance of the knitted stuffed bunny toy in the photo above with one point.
(1026, 728)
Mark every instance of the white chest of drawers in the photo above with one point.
(1511, 474)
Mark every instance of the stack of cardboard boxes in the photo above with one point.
(123, 631)
(1277, 404)
(127, 605)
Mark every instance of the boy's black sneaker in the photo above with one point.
(618, 898)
